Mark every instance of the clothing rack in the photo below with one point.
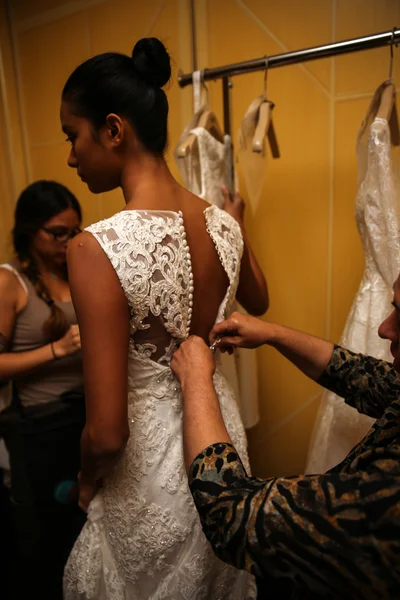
(377, 40)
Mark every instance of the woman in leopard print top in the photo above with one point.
(309, 536)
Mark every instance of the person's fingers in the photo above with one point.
(221, 329)
(227, 350)
(229, 342)
(197, 341)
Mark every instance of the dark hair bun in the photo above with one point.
(151, 61)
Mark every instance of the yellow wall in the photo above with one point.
(303, 229)
(13, 175)
(51, 38)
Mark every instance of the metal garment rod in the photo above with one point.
(226, 95)
(291, 58)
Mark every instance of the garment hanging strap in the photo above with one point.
(197, 100)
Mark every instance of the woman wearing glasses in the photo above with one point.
(40, 354)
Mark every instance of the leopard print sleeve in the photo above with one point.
(320, 533)
(366, 383)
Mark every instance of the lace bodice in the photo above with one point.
(150, 254)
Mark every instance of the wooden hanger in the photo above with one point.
(207, 120)
(265, 127)
(186, 146)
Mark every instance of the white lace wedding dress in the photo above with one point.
(338, 426)
(143, 539)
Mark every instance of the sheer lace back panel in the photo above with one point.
(151, 256)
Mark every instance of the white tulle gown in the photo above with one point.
(338, 426)
(143, 539)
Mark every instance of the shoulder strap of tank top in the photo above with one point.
(16, 273)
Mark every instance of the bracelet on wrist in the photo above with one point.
(55, 357)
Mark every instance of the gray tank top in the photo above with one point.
(48, 382)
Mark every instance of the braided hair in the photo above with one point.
(38, 203)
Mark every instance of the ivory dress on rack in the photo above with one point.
(204, 171)
(338, 426)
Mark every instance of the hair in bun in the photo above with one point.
(152, 62)
(127, 86)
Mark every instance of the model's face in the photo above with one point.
(92, 153)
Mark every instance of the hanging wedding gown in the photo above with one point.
(204, 171)
(143, 539)
(338, 426)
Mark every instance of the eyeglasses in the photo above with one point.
(61, 234)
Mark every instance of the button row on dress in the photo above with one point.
(189, 266)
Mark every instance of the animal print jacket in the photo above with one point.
(316, 536)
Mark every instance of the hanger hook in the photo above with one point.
(392, 43)
(265, 76)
